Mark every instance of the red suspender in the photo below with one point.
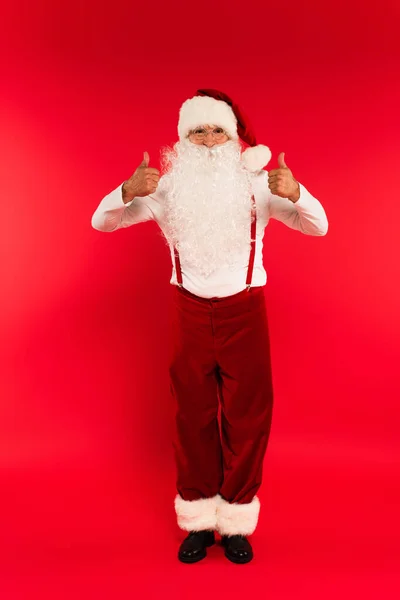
(253, 243)
(178, 268)
(252, 251)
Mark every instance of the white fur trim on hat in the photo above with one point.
(256, 157)
(196, 515)
(237, 519)
(204, 110)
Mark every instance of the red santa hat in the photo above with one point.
(214, 107)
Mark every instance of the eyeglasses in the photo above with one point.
(200, 133)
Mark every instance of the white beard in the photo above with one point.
(207, 210)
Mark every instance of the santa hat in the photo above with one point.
(214, 107)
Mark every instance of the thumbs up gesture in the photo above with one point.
(143, 182)
(281, 181)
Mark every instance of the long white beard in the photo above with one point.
(207, 209)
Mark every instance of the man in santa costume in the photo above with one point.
(212, 204)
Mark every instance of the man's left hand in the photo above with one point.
(281, 181)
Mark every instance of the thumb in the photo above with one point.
(281, 161)
(146, 159)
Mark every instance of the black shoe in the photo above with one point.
(193, 547)
(237, 548)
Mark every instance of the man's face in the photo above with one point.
(208, 135)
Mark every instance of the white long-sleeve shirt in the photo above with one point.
(306, 215)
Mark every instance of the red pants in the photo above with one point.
(220, 357)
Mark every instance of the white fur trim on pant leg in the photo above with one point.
(234, 518)
(196, 515)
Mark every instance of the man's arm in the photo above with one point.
(134, 201)
(112, 213)
(305, 214)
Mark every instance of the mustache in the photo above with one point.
(186, 154)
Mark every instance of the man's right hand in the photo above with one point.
(143, 182)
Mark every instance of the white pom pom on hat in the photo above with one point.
(211, 106)
(256, 157)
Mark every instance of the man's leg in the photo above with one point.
(246, 391)
(194, 386)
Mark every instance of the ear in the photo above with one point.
(256, 157)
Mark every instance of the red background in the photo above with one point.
(86, 417)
